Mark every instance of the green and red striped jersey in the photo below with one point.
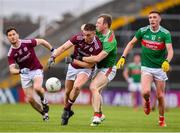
(110, 46)
(153, 45)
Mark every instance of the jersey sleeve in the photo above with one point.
(138, 34)
(33, 42)
(109, 44)
(168, 38)
(11, 59)
(73, 39)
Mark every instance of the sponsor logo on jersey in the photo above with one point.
(153, 45)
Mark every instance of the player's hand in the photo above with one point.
(121, 62)
(165, 66)
(69, 60)
(24, 71)
(51, 61)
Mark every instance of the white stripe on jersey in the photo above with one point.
(9, 52)
(26, 41)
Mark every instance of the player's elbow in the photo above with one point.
(96, 60)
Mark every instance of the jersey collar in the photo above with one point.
(156, 30)
(19, 42)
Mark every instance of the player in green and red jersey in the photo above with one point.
(157, 52)
(106, 61)
(132, 75)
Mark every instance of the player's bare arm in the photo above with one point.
(129, 46)
(126, 74)
(170, 52)
(95, 58)
(83, 64)
(62, 48)
(13, 69)
(44, 43)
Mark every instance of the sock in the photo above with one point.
(42, 113)
(161, 118)
(69, 104)
(42, 98)
(98, 114)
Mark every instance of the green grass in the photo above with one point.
(22, 118)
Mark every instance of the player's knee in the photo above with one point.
(30, 98)
(146, 92)
(94, 91)
(77, 88)
(38, 88)
(160, 95)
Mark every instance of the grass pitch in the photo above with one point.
(22, 118)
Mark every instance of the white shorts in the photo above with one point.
(110, 72)
(156, 73)
(73, 72)
(134, 87)
(27, 79)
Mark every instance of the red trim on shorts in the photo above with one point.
(108, 71)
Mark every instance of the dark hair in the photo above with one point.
(10, 29)
(155, 12)
(107, 19)
(89, 27)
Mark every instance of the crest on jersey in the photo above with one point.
(159, 38)
(153, 37)
(91, 49)
(25, 49)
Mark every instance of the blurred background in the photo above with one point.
(57, 20)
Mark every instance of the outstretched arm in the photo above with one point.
(83, 64)
(129, 46)
(62, 48)
(95, 58)
(44, 43)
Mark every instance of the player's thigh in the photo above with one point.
(160, 87)
(37, 82)
(81, 79)
(146, 81)
(99, 82)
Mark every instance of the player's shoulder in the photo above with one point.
(131, 64)
(145, 28)
(78, 36)
(25, 41)
(164, 30)
(96, 39)
(10, 51)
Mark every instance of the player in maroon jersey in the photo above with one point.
(22, 53)
(85, 44)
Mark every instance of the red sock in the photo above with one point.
(161, 118)
(97, 114)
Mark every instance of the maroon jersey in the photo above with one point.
(24, 55)
(84, 49)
